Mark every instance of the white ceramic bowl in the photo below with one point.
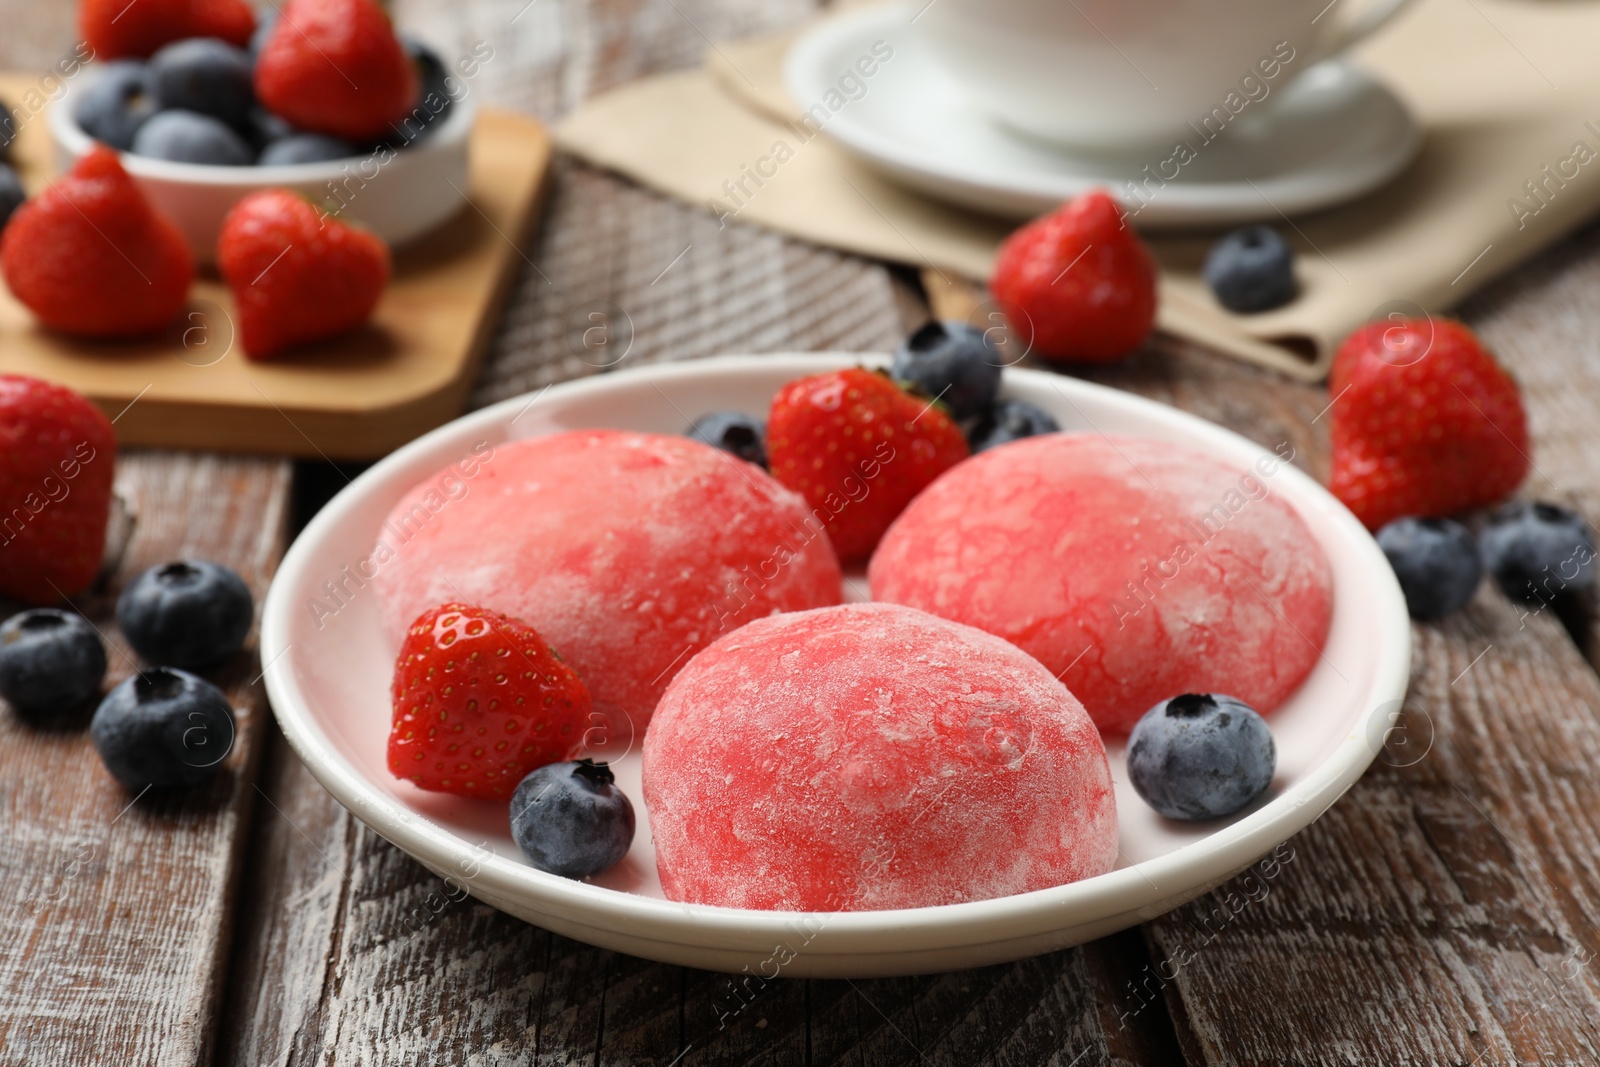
(328, 676)
(401, 199)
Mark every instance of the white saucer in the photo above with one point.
(1326, 137)
(328, 678)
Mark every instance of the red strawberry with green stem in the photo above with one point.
(858, 448)
(90, 256)
(336, 67)
(297, 275)
(480, 699)
(1424, 422)
(57, 458)
(1079, 282)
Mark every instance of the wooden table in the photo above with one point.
(1443, 912)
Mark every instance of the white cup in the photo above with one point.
(1120, 73)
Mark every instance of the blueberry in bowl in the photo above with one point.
(952, 362)
(1201, 756)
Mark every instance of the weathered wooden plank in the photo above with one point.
(1443, 911)
(113, 945)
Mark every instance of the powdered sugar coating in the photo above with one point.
(628, 552)
(871, 756)
(1137, 570)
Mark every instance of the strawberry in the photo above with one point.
(1080, 281)
(57, 456)
(90, 256)
(114, 28)
(336, 67)
(479, 701)
(1424, 422)
(296, 274)
(858, 448)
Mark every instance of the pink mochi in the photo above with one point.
(870, 756)
(1134, 570)
(628, 552)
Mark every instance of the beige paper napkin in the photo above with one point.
(1507, 93)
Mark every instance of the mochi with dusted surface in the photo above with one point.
(628, 552)
(1133, 569)
(871, 756)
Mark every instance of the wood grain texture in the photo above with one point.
(1444, 910)
(114, 939)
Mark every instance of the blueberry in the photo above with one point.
(51, 661)
(8, 130)
(1538, 552)
(190, 137)
(262, 128)
(113, 107)
(1436, 561)
(163, 728)
(735, 432)
(205, 75)
(190, 614)
(954, 362)
(11, 193)
(1200, 756)
(571, 819)
(1251, 270)
(305, 148)
(1011, 420)
(433, 102)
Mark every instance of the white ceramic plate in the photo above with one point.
(1328, 136)
(328, 677)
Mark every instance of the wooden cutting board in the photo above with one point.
(357, 397)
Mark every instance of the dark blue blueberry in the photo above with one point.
(190, 614)
(1251, 270)
(113, 106)
(1436, 561)
(163, 728)
(1011, 420)
(8, 130)
(262, 128)
(11, 193)
(571, 819)
(1539, 553)
(305, 148)
(190, 137)
(735, 432)
(1200, 756)
(954, 362)
(205, 75)
(433, 102)
(51, 661)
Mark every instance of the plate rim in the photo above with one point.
(1128, 890)
(1183, 204)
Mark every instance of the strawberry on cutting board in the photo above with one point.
(858, 448)
(295, 274)
(1079, 282)
(336, 67)
(57, 457)
(480, 699)
(1424, 422)
(90, 256)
